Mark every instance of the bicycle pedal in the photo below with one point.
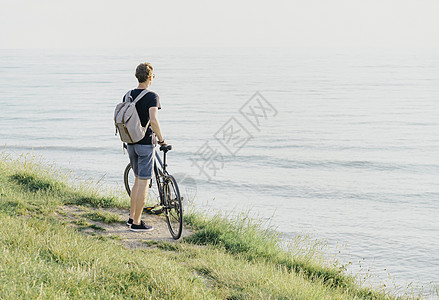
(156, 209)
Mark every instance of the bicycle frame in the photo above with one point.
(160, 163)
(160, 174)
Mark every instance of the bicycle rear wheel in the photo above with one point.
(153, 196)
(173, 207)
(128, 179)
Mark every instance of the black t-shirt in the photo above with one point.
(151, 99)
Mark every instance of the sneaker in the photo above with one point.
(129, 222)
(141, 227)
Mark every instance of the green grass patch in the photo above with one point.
(31, 175)
(103, 216)
(96, 227)
(81, 222)
(250, 240)
(34, 183)
(89, 199)
(150, 243)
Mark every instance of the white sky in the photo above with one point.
(306, 23)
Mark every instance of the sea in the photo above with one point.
(338, 145)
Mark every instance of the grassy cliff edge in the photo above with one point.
(42, 257)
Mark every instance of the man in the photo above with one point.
(142, 153)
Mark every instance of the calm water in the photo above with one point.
(347, 150)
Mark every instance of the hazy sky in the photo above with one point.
(307, 23)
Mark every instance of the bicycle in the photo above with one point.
(163, 190)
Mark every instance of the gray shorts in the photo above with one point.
(142, 160)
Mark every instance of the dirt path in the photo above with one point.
(84, 218)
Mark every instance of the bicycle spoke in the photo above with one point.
(174, 215)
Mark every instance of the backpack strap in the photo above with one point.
(127, 97)
(143, 93)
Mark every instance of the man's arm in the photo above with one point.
(154, 121)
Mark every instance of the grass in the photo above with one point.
(41, 257)
(96, 227)
(103, 216)
(249, 240)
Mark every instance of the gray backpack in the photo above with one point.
(127, 121)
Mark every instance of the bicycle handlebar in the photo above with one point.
(166, 148)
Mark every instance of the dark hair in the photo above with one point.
(143, 71)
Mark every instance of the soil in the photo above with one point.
(75, 216)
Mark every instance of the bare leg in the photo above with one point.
(138, 197)
(133, 197)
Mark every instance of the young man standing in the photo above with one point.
(142, 153)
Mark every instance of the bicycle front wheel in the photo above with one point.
(173, 207)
